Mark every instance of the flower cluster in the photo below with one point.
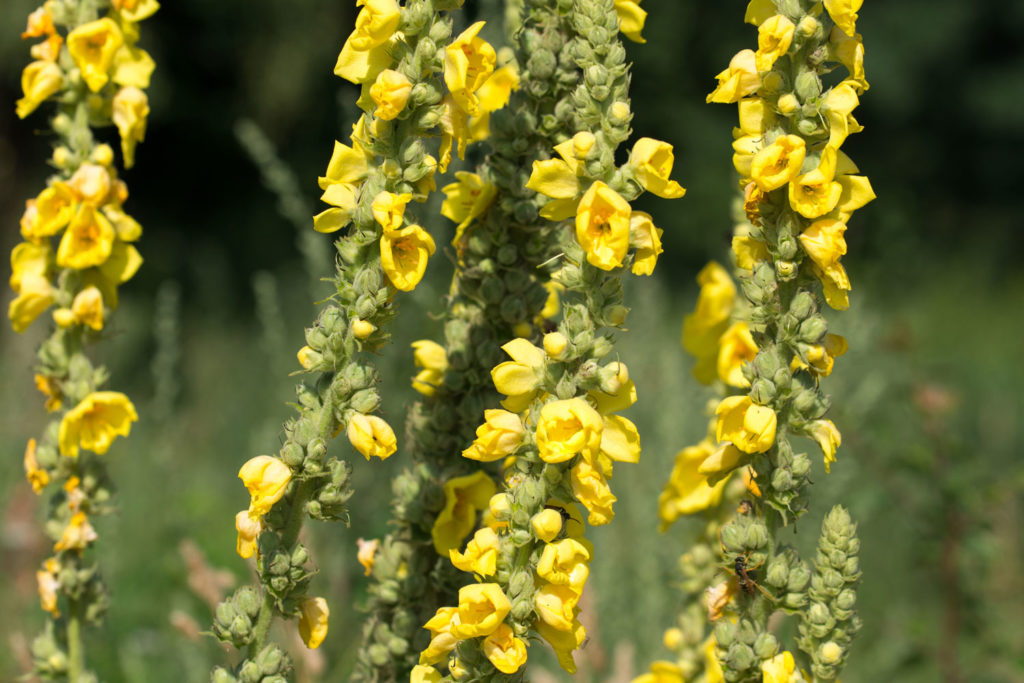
(78, 249)
(766, 345)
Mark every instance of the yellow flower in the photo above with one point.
(722, 460)
(466, 200)
(441, 639)
(93, 46)
(738, 81)
(424, 674)
(366, 553)
(556, 605)
(774, 37)
(778, 163)
(560, 178)
(835, 285)
(88, 240)
(91, 183)
(266, 479)
(563, 642)
(39, 80)
(249, 530)
(30, 266)
(468, 62)
(404, 254)
(340, 183)
(362, 329)
(130, 109)
(463, 496)
(546, 524)
(857, 189)
(371, 436)
(389, 209)
(735, 347)
(661, 672)
(824, 432)
(95, 422)
(624, 396)
(620, 440)
(375, 23)
(816, 192)
(779, 669)
(455, 130)
(567, 428)
(87, 308)
(506, 652)
(838, 105)
(51, 389)
(432, 358)
(132, 65)
(481, 556)
(519, 378)
(824, 242)
(717, 598)
(713, 669)
(820, 357)
(390, 91)
(631, 19)
(77, 534)
(48, 213)
(849, 50)
(844, 13)
(362, 66)
(492, 96)
(313, 615)
(703, 327)
(565, 563)
(687, 490)
(36, 476)
(482, 608)
(498, 437)
(749, 251)
(48, 585)
(591, 489)
(652, 160)
(750, 427)
(136, 10)
(602, 226)
(646, 239)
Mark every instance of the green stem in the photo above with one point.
(76, 651)
(288, 538)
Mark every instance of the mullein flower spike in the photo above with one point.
(78, 248)
(764, 342)
(559, 428)
(401, 57)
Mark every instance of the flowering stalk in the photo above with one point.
(530, 559)
(88, 63)
(500, 287)
(770, 349)
(395, 53)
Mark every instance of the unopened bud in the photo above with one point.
(766, 646)
(788, 104)
(555, 344)
(830, 652)
(500, 506)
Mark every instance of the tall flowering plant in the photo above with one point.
(767, 346)
(78, 248)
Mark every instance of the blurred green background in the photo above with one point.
(928, 399)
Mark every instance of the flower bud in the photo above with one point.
(725, 633)
(500, 506)
(762, 392)
(788, 104)
(547, 524)
(766, 646)
(756, 536)
(740, 657)
(362, 329)
(830, 652)
(555, 344)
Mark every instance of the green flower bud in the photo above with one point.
(270, 660)
(778, 572)
(808, 85)
(762, 392)
(732, 538)
(740, 657)
(782, 480)
(246, 601)
(250, 672)
(766, 646)
(725, 633)
(222, 675)
(802, 305)
(756, 536)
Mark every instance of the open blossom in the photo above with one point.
(602, 226)
(481, 555)
(750, 427)
(498, 437)
(313, 615)
(482, 608)
(92, 47)
(95, 422)
(464, 496)
(567, 428)
(468, 61)
(266, 479)
(371, 436)
(739, 80)
(404, 254)
(504, 650)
